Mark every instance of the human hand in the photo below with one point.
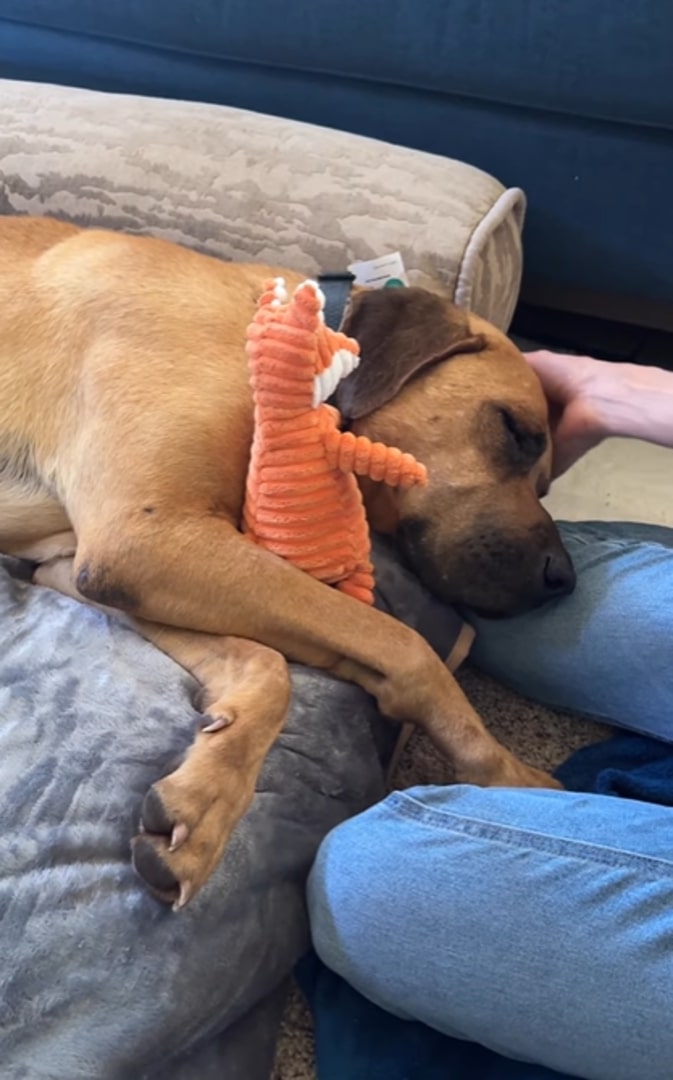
(575, 417)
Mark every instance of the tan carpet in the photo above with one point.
(541, 736)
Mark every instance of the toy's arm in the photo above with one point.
(357, 454)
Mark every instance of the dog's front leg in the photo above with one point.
(199, 572)
(188, 816)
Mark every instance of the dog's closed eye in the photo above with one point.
(524, 444)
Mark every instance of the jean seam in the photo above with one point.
(514, 836)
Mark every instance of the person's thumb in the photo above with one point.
(572, 439)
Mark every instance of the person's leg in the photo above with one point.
(537, 923)
(605, 650)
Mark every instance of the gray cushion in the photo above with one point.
(97, 978)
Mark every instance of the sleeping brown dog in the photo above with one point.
(125, 431)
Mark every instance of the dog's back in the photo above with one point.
(88, 313)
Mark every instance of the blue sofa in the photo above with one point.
(570, 99)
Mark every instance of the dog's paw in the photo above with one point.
(185, 824)
(188, 817)
(505, 770)
(516, 774)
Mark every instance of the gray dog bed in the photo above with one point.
(98, 979)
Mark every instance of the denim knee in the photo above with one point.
(511, 918)
(604, 651)
(339, 883)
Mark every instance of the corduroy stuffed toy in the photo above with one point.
(302, 499)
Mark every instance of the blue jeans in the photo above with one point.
(537, 923)
(605, 650)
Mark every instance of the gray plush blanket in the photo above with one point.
(97, 979)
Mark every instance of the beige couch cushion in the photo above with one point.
(250, 187)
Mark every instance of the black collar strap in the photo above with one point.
(337, 290)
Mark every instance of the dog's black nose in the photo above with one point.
(559, 574)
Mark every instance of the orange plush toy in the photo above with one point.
(302, 499)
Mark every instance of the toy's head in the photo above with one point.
(289, 340)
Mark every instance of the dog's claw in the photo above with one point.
(218, 722)
(186, 893)
(178, 836)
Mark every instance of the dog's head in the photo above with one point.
(455, 392)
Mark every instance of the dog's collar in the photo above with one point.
(337, 289)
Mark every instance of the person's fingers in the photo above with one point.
(572, 418)
(556, 373)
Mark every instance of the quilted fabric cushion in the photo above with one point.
(250, 187)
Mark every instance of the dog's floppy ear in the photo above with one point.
(400, 332)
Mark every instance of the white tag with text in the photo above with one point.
(385, 272)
